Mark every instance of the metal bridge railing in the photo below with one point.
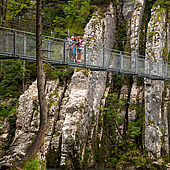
(20, 44)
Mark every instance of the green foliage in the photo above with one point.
(117, 80)
(62, 73)
(17, 8)
(12, 123)
(34, 165)
(123, 149)
(72, 15)
(77, 13)
(5, 110)
(64, 15)
(86, 158)
(12, 74)
(17, 14)
(163, 3)
(140, 81)
(11, 78)
(52, 158)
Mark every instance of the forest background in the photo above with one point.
(60, 18)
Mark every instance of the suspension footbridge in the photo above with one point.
(17, 44)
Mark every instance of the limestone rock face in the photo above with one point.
(128, 9)
(84, 100)
(135, 24)
(154, 89)
(74, 114)
(74, 106)
(134, 30)
(28, 121)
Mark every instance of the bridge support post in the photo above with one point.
(88, 57)
(103, 57)
(149, 68)
(136, 64)
(64, 59)
(49, 48)
(25, 45)
(14, 45)
(84, 55)
(163, 70)
(166, 70)
(121, 61)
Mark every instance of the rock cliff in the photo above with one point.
(99, 118)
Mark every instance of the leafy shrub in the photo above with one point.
(32, 165)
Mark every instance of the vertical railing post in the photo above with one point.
(25, 45)
(163, 70)
(166, 68)
(149, 68)
(14, 45)
(121, 61)
(84, 55)
(64, 59)
(49, 48)
(103, 57)
(88, 56)
(136, 63)
(167, 65)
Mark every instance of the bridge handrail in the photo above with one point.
(135, 58)
(60, 39)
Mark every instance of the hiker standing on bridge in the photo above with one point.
(79, 49)
(74, 48)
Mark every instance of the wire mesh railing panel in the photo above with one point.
(68, 52)
(155, 68)
(94, 56)
(165, 70)
(127, 63)
(19, 44)
(106, 57)
(147, 66)
(45, 48)
(89, 60)
(6, 42)
(115, 61)
(30, 46)
(57, 50)
(168, 71)
(141, 66)
(99, 57)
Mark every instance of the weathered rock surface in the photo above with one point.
(86, 94)
(153, 89)
(74, 107)
(134, 23)
(28, 121)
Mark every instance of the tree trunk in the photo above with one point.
(33, 150)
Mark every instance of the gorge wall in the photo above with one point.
(99, 118)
